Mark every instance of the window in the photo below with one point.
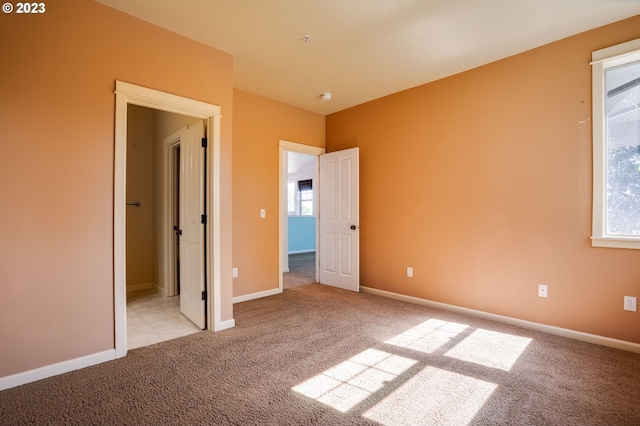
(306, 197)
(300, 201)
(616, 146)
(306, 203)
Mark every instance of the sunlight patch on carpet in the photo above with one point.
(433, 397)
(490, 349)
(351, 382)
(428, 336)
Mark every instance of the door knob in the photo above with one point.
(353, 227)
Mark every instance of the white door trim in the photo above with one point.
(284, 147)
(131, 94)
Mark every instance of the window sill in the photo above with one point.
(616, 242)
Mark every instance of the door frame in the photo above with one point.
(126, 94)
(171, 143)
(284, 147)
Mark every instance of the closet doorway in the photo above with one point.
(129, 94)
(161, 186)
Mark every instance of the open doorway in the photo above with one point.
(153, 189)
(298, 213)
(337, 260)
(129, 94)
(301, 219)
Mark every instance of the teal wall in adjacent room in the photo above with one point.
(302, 234)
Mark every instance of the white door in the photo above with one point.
(339, 232)
(192, 278)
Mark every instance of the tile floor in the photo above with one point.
(153, 318)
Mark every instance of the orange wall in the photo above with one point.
(56, 167)
(482, 183)
(258, 126)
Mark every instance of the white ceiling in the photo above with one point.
(360, 50)
(298, 162)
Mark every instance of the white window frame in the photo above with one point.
(301, 201)
(602, 60)
(297, 200)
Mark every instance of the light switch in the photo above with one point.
(263, 213)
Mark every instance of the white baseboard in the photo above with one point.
(302, 251)
(55, 369)
(564, 332)
(224, 325)
(138, 287)
(100, 357)
(285, 270)
(257, 295)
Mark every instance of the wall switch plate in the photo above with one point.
(409, 271)
(543, 290)
(234, 272)
(631, 303)
(263, 213)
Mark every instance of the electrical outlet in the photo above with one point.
(543, 290)
(630, 303)
(234, 272)
(409, 271)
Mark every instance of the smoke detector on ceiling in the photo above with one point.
(325, 96)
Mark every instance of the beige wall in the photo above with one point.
(482, 183)
(56, 168)
(258, 126)
(140, 238)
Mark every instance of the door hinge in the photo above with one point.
(204, 295)
(203, 218)
(204, 142)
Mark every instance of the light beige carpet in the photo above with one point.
(318, 355)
